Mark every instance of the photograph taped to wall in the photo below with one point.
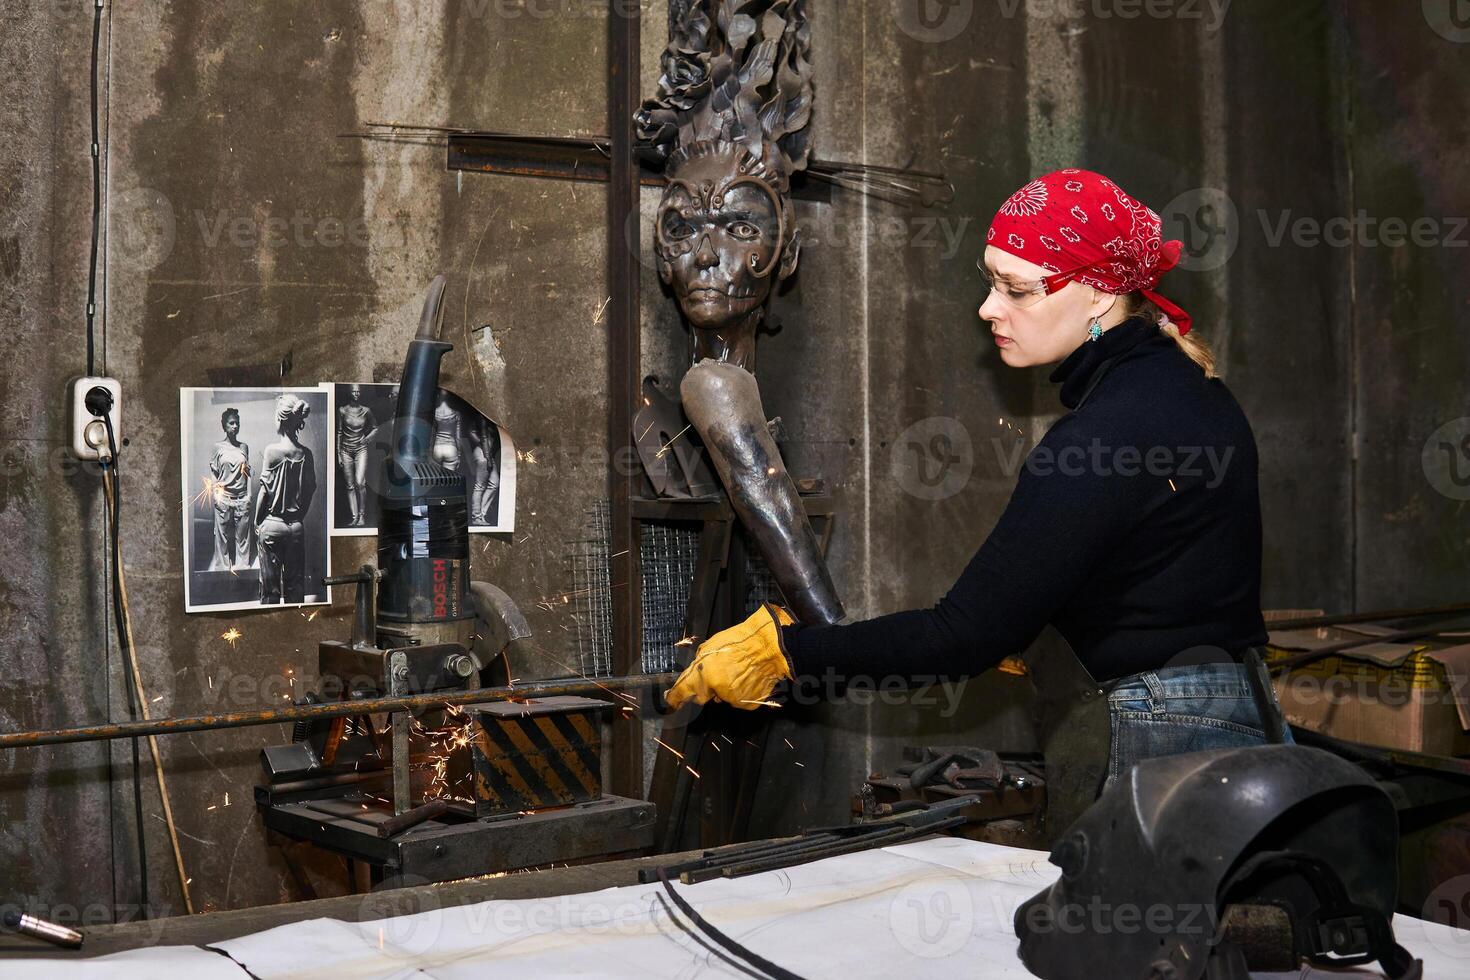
(257, 489)
(463, 440)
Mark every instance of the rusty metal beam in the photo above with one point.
(338, 709)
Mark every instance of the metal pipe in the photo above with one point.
(338, 709)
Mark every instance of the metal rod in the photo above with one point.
(412, 818)
(1300, 659)
(339, 709)
(1364, 617)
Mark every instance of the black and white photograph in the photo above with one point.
(256, 491)
(464, 440)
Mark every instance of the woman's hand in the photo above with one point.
(740, 665)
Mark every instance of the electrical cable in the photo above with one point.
(112, 501)
(703, 924)
(130, 648)
(96, 202)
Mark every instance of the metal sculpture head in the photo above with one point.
(731, 122)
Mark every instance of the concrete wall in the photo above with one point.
(249, 243)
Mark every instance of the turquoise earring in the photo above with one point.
(1095, 330)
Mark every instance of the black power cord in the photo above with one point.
(96, 200)
(99, 403)
(703, 924)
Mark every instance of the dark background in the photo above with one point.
(1345, 358)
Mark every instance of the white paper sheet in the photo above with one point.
(940, 908)
(156, 963)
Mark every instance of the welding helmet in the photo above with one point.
(1149, 870)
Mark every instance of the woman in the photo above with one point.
(447, 423)
(485, 468)
(287, 486)
(229, 471)
(356, 428)
(1135, 524)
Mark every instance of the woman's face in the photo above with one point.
(1048, 328)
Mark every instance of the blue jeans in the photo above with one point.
(1181, 709)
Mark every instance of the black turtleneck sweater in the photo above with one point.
(1134, 529)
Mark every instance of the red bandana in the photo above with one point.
(1079, 225)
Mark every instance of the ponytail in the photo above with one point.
(1193, 346)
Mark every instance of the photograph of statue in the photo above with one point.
(234, 537)
(282, 502)
(357, 424)
(255, 509)
(463, 440)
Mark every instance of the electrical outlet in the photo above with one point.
(88, 431)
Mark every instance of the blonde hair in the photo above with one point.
(1195, 348)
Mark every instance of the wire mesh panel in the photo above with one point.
(587, 559)
(668, 555)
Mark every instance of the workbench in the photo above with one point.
(939, 907)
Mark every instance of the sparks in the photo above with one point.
(1172, 486)
(669, 747)
(231, 635)
(669, 445)
(692, 772)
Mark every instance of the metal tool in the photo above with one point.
(426, 637)
(30, 925)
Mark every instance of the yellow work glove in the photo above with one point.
(740, 665)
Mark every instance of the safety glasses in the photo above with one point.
(1025, 294)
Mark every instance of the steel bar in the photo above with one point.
(339, 709)
(1365, 617)
(398, 823)
(1311, 656)
(862, 842)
